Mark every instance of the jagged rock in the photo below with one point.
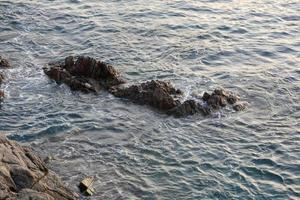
(189, 107)
(158, 94)
(23, 175)
(88, 75)
(219, 98)
(84, 74)
(4, 63)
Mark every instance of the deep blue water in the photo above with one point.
(249, 47)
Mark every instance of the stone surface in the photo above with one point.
(23, 175)
(84, 73)
(4, 63)
(158, 94)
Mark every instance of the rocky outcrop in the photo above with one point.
(23, 175)
(158, 94)
(88, 75)
(84, 74)
(4, 63)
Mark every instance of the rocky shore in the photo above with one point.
(24, 175)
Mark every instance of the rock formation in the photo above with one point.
(84, 74)
(88, 75)
(23, 175)
(158, 94)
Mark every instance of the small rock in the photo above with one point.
(1, 78)
(1, 95)
(232, 99)
(205, 96)
(4, 63)
(240, 105)
(85, 186)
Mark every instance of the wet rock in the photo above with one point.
(240, 105)
(219, 98)
(84, 73)
(1, 95)
(189, 107)
(23, 175)
(158, 94)
(1, 78)
(4, 63)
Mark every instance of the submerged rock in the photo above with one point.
(158, 94)
(84, 74)
(4, 63)
(23, 175)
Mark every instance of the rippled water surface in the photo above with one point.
(249, 47)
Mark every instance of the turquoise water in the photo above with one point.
(135, 152)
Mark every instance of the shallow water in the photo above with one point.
(249, 47)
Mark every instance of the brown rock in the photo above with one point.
(189, 107)
(1, 95)
(23, 175)
(158, 94)
(4, 63)
(1, 78)
(84, 74)
(240, 105)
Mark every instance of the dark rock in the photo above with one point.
(4, 63)
(1, 78)
(158, 94)
(1, 95)
(205, 96)
(240, 105)
(84, 74)
(23, 175)
(189, 107)
(88, 75)
(231, 99)
(219, 98)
